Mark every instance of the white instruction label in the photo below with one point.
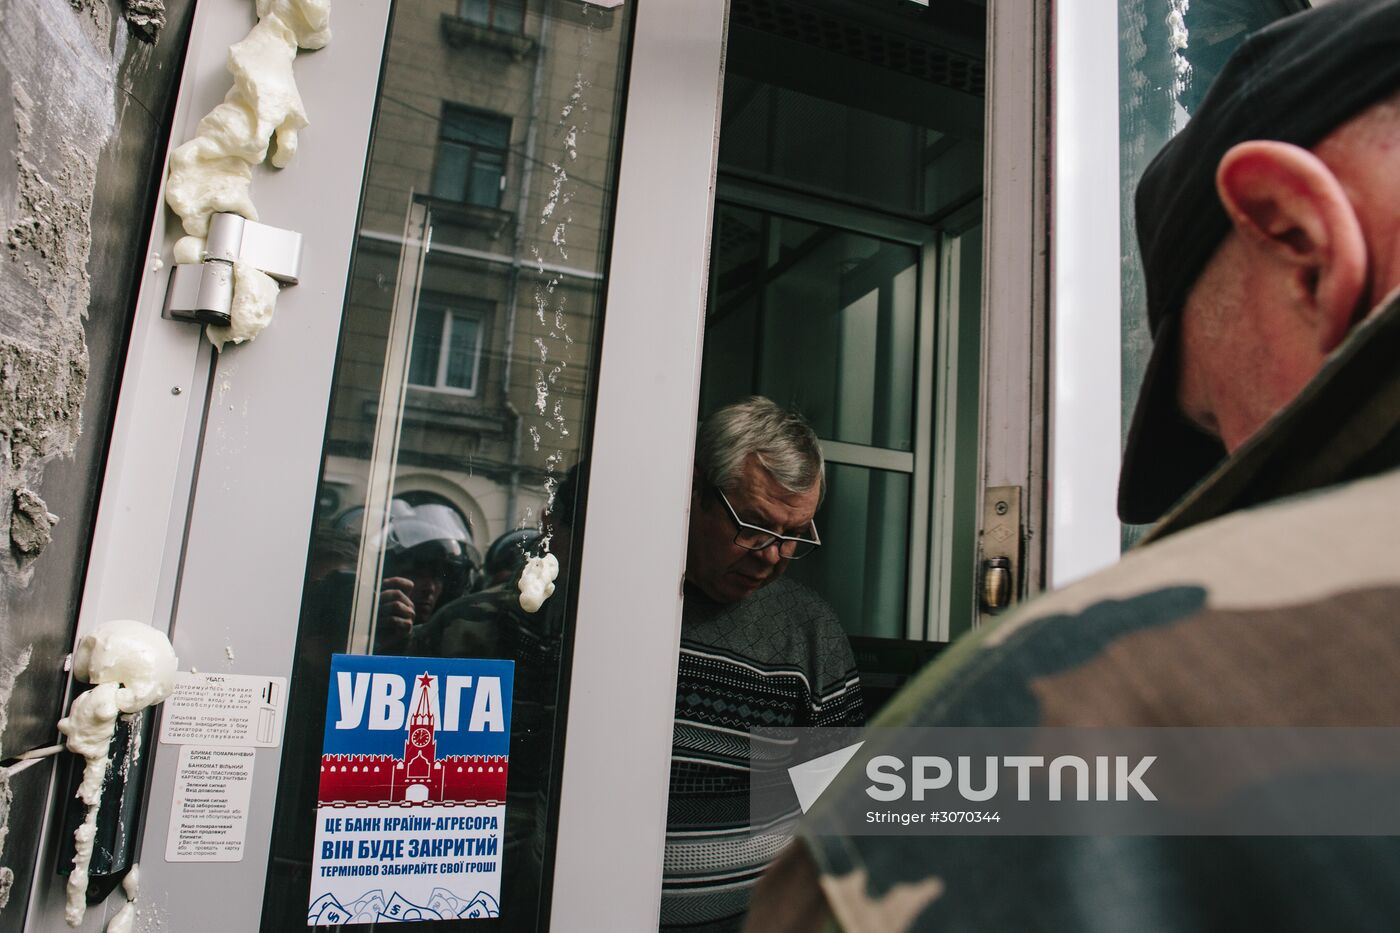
(242, 710)
(209, 815)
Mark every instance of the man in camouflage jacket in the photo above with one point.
(1268, 596)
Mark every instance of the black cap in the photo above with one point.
(1294, 81)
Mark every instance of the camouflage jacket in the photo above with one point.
(1285, 611)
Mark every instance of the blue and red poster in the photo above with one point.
(410, 818)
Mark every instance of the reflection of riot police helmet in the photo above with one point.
(429, 533)
(506, 555)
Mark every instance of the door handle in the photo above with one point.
(996, 584)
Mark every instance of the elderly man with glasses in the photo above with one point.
(757, 649)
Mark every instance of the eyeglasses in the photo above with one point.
(754, 538)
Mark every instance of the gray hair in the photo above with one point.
(782, 440)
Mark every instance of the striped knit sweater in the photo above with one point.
(777, 658)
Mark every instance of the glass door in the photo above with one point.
(846, 284)
(472, 356)
(496, 343)
(460, 417)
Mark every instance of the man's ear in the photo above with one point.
(1287, 204)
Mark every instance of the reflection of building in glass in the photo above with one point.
(495, 122)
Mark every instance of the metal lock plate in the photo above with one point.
(1000, 579)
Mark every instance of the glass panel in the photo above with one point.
(863, 564)
(429, 501)
(476, 129)
(427, 346)
(476, 11)
(510, 15)
(963, 271)
(485, 184)
(450, 177)
(1169, 52)
(855, 103)
(471, 158)
(818, 318)
(844, 115)
(461, 353)
(825, 146)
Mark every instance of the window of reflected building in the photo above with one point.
(471, 159)
(446, 351)
(504, 15)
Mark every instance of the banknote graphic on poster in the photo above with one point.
(411, 812)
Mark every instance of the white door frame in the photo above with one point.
(207, 500)
(622, 692)
(1086, 339)
(209, 494)
(1015, 244)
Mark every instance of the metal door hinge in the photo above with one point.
(203, 292)
(999, 582)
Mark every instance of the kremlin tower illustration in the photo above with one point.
(419, 777)
(420, 748)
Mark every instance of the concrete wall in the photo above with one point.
(85, 92)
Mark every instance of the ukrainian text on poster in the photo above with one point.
(410, 817)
